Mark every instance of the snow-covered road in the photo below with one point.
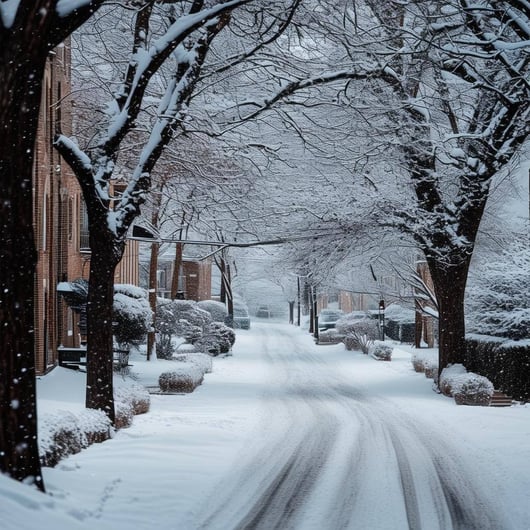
(289, 435)
(331, 456)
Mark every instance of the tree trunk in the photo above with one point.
(103, 261)
(450, 285)
(298, 301)
(176, 271)
(229, 296)
(418, 326)
(153, 286)
(21, 72)
(222, 269)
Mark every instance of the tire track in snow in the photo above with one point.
(332, 445)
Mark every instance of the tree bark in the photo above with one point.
(450, 285)
(229, 296)
(176, 270)
(21, 71)
(153, 286)
(99, 390)
(24, 46)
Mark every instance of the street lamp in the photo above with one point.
(382, 318)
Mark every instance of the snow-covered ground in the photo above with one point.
(284, 407)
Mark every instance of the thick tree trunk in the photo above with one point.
(103, 261)
(21, 73)
(450, 285)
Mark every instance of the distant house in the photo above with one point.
(60, 221)
(194, 279)
(350, 301)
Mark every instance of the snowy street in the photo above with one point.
(286, 434)
(329, 448)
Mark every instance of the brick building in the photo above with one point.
(195, 278)
(60, 220)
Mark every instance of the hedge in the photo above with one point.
(506, 363)
(402, 331)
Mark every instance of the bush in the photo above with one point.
(64, 433)
(498, 295)
(203, 361)
(451, 379)
(350, 321)
(381, 351)
(185, 378)
(474, 390)
(431, 370)
(418, 363)
(400, 323)
(124, 414)
(182, 318)
(504, 362)
(132, 316)
(466, 387)
(216, 339)
(216, 309)
(358, 334)
(126, 390)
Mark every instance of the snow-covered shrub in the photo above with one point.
(185, 347)
(381, 351)
(358, 341)
(64, 433)
(351, 321)
(203, 361)
(190, 332)
(466, 387)
(504, 362)
(330, 336)
(431, 370)
(123, 414)
(217, 310)
(474, 390)
(498, 294)
(418, 363)
(182, 318)
(126, 390)
(186, 377)
(217, 338)
(400, 323)
(359, 334)
(132, 316)
(451, 379)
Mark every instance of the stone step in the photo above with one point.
(499, 399)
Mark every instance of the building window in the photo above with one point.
(84, 241)
(44, 225)
(70, 218)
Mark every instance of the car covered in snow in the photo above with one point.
(328, 318)
(264, 311)
(241, 317)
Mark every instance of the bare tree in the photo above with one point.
(444, 90)
(162, 31)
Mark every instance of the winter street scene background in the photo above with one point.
(265, 264)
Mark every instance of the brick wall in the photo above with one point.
(198, 280)
(50, 217)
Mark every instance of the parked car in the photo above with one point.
(264, 312)
(328, 318)
(241, 318)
